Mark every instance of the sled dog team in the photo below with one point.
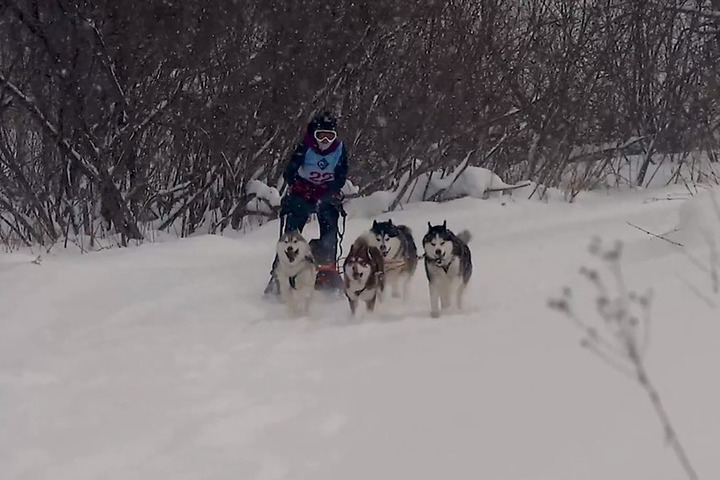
(383, 257)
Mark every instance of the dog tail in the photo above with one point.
(465, 236)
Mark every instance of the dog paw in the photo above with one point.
(435, 314)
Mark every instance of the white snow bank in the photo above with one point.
(370, 205)
(162, 362)
(538, 192)
(471, 182)
(463, 181)
(699, 218)
(350, 188)
(265, 197)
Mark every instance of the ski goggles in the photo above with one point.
(325, 135)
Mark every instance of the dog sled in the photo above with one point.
(329, 272)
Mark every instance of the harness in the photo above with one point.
(358, 292)
(445, 268)
(394, 264)
(397, 263)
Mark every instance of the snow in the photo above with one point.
(371, 205)
(700, 217)
(471, 182)
(163, 361)
(349, 188)
(464, 181)
(264, 197)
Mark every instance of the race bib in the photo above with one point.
(318, 168)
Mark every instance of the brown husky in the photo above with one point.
(364, 272)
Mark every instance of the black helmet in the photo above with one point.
(323, 121)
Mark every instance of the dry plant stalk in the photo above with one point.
(623, 336)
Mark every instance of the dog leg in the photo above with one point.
(460, 293)
(296, 303)
(306, 299)
(446, 295)
(395, 286)
(286, 294)
(406, 286)
(353, 305)
(454, 294)
(434, 300)
(370, 304)
(292, 308)
(382, 285)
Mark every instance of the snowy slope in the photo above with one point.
(163, 361)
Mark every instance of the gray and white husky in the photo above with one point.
(448, 265)
(296, 273)
(397, 245)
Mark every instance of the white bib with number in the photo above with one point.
(319, 168)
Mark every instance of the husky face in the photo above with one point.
(438, 244)
(363, 262)
(359, 268)
(386, 237)
(292, 247)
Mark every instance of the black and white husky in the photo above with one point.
(296, 273)
(397, 245)
(448, 265)
(363, 271)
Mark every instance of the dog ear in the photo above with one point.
(374, 224)
(429, 226)
(390, 221)
(445, 224)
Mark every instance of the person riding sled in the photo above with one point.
(315, 175)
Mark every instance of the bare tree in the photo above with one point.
(123, 118)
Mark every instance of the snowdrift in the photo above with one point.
(699, 218)
(163, 361)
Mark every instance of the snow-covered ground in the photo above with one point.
(163, 361)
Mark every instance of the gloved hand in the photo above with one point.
(336, 198)
(333, 198)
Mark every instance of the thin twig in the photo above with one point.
(620, 315)
(656, 235)
(670, 433)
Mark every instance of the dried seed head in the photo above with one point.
(590, 273)
(602, 302)
(614, 253)
(559, 304)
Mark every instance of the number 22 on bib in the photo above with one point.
(318, 168)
